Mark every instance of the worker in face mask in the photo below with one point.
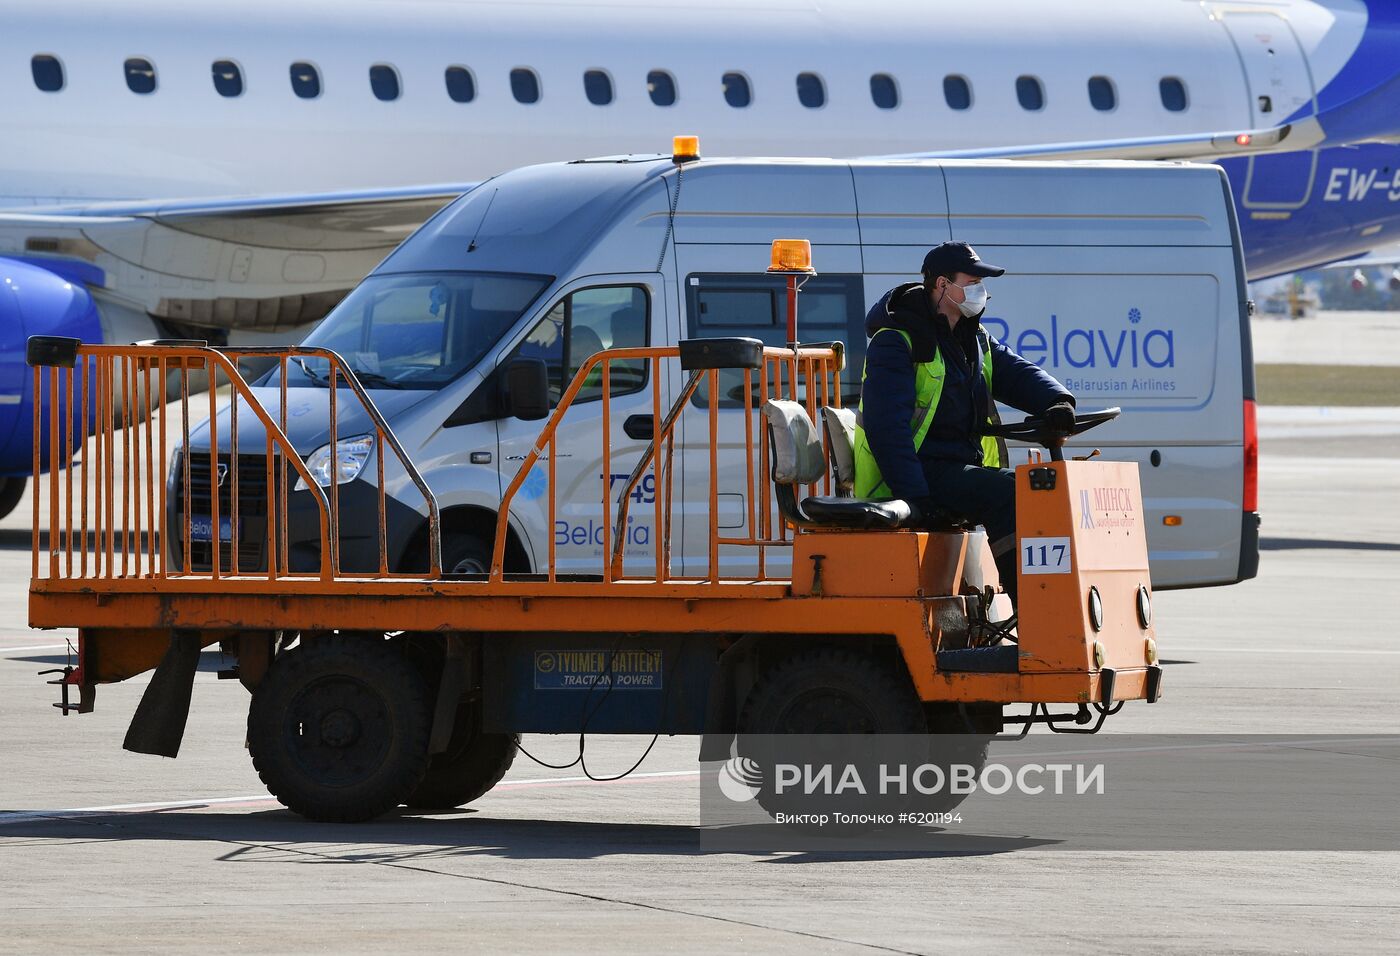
(931, 382)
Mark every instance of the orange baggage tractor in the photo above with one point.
(371, 690)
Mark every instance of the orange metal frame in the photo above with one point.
(142, 595)
(108, 398)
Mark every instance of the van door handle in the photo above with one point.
(639, 427)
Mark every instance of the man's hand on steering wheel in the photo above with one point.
(1060, 417)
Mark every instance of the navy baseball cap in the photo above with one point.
(953, 257)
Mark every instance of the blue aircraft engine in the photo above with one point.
(33, 301)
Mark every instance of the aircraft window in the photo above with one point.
(1173, 93)
(883, 91)
(460, 84)
(384, 81)
(1030, 93)
(811, 92)
(597, 86)
(737, 92)
(661, 87)
(1102, 95)
(228, 78)
(48, 73)
(140, 75)
(957, 92)
(306, 80)
(524, 85)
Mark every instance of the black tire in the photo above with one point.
(471, 765)
(831, 691)
(338, 730)
(465, 554)
(11, 491)
(837, 692)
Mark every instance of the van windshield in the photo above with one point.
(417, 330)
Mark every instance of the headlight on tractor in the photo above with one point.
(351, 455)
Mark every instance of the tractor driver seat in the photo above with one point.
(798, 460)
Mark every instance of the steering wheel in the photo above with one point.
(1038, 431)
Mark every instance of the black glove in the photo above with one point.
(921, 509)
(1060, 417)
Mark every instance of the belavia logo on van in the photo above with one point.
(1068, 345)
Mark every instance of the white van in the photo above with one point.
(1124, 280)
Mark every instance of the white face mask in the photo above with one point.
(974, 301)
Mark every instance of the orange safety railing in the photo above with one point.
(810, 374)
(109, 464)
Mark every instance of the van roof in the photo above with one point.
(544, 219)
(537, 219)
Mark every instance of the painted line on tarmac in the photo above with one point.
(1318, 651)
(565, 781)
(34, 647)
(29, 816)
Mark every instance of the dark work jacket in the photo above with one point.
(887, 395)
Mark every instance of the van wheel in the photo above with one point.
(832, 692)
(465, 554)
(338, 730)
(471, 765)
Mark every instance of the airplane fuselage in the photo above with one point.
(877, 78)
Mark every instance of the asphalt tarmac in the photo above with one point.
(105, 850)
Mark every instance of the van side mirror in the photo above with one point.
(527, 389)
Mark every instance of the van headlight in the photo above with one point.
(351, 455)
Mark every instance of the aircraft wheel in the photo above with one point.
(338, 730)
(11, 491)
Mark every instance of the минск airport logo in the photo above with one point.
(740, 779)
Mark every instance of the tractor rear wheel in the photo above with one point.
(338, 729)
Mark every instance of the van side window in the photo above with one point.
(737, 92)
(524, 85)
(228, 78)
(883, 91)
(48, 72)
(461, 86)
(306, 80)
(1173, 93)
(584, 323)
(140, 75)
(830, 308)
(598, 87)
(661, 87)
